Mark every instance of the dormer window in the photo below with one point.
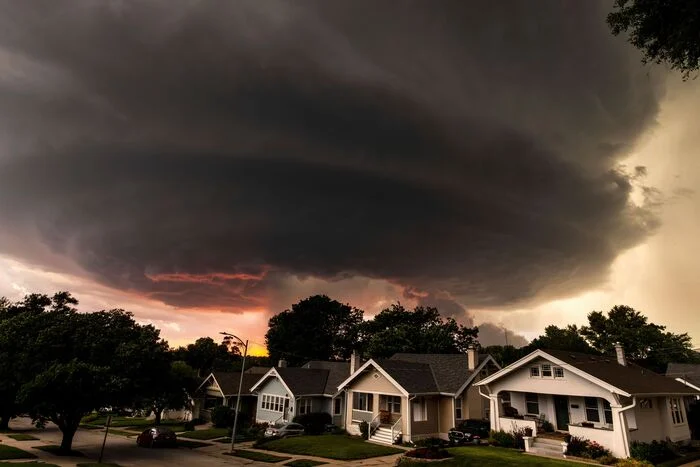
(546, 370)
(534, 372)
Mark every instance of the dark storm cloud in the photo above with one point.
(200, 152)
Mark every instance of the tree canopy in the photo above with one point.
(316, 328)
(205, 356)
(556, 338)
(665, 31)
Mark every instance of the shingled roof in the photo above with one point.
(229, 381)
(337, 372)
(690, 372)
(630, 378)
(449, 371)
(315, 378)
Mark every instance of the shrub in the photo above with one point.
(91, 417)
(364, 429)
(595, 450)
(256, 430)
(314, 423)
(431, 442)
(633, 463)
(654, 452)
(576, 446)
(518, 435)
(503, 439)
(547, 427)
(222, 416)
(432, 452)
(607, 460)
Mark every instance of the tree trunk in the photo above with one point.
(68, 434)
(4, 423)
(159, 414)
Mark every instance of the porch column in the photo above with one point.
(495, 409)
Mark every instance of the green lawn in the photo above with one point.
(135, 423)
(681, 460)
(56, 450)
(15, 464)
(23, 437)
(304, 463)
(10, 452)
(186, 443)
(258, 456)
(337, 447)
(493, 457)
(97, 464)
(211, 433)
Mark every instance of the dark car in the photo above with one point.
(469, 431)
(284, 430)
(157, 437)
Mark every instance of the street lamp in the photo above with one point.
(240, 386)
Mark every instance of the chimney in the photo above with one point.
(620, 354)
(354, 361)
(472, 358)
(282, 363)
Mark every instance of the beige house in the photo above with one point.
(600, 398)
(414, 396)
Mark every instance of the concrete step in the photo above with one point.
(548, 441)
(545, 449)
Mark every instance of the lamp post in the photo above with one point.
(240, 387)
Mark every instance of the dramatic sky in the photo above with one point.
(206, 164)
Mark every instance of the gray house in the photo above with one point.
(221, 388)
(285, 392)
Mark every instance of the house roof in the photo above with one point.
(337, 372)
(449, 371)
(689, 372)
(258, 370)
(414, 377)
(631, 379)
(229, 381)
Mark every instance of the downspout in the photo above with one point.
(409, 417)
(492, 413)
(623, 426)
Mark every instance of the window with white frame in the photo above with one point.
(558, 372)
(420, 410)
(273, 403)
(534, 372)
(505, 399)
(362, 401)
(607, 412)
(532, 403)
(458, 408)
(676, 410)
(546, 370)
(337, 406)
(592, 410)
(646, 404)
(304, 406)
(393, 404)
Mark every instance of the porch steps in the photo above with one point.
(547, 447)
(383, 436)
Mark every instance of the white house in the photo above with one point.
(600, 398)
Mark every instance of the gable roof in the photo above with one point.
(689, 372)
(229, 381)
(337, 372)
(425, 373)
(605, 371)
(315, 378)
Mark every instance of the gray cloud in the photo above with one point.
(202, 152)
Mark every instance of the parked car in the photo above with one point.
(284, 430)
(469, 431)
(157, 436)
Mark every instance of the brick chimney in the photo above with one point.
(620, 354)
(355, 361)
(282, 363)
(472, 358)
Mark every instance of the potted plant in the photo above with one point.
(384, 416)
(587, 424)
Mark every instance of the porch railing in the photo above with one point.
(373, 425)
(361, 416)
(393, 430)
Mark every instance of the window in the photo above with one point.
(592, 411)
(558, 372)
(304, 406)
(273, 403)
(458, 408)
(676, 410)
(337, 406)
(646, 404)
(393, 404)
(607, 412)
(362, 401)
(534, 372)
(505, 399)
(546, 370)
(532, 403)
(420, 410)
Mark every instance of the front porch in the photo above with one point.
(383, 413)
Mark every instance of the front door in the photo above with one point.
(561, 407)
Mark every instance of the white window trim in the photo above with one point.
(678, 410)
(552, 370)
(304, 406)
(537, 396)
(273, 403)
(598, 407)
(458, 407)
(339, 406)
(422, 411)
(366, 404)
(539, 372)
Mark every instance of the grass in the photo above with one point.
(681, 460)
(15, 464)
(135, 423)
(11, 452)
(121, 432)
(56, 450)
(211, 433)
(257, 456)
(337, 447)
(97, 464)
(23, 437)
(493, 457)
(304, 463)
(185, 443)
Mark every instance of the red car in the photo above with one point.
(157, 436)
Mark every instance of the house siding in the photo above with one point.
(272, 386)
(379, 384)
(447, 419)
(429, 427)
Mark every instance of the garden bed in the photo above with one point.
(338, 447)
(257, 456)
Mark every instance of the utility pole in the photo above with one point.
(240, 387)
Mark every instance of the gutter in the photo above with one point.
(623, 426)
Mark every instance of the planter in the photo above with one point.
(384, 417)
(587, 425)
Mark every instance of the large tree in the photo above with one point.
(68, 363)
(206, 355)
(647, 343)
(422, 330)
(172, 391)
(666, 31)
(316, 328)
(556, 338)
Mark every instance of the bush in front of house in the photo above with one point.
(654, 452)
(314, 423)
(222, 416)
(581, 447)
(431, 442)
(429, 452)
(607, 460)
(364, 429)
(191, 424)
(633, 463)
(547, 426)
(502, 439)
